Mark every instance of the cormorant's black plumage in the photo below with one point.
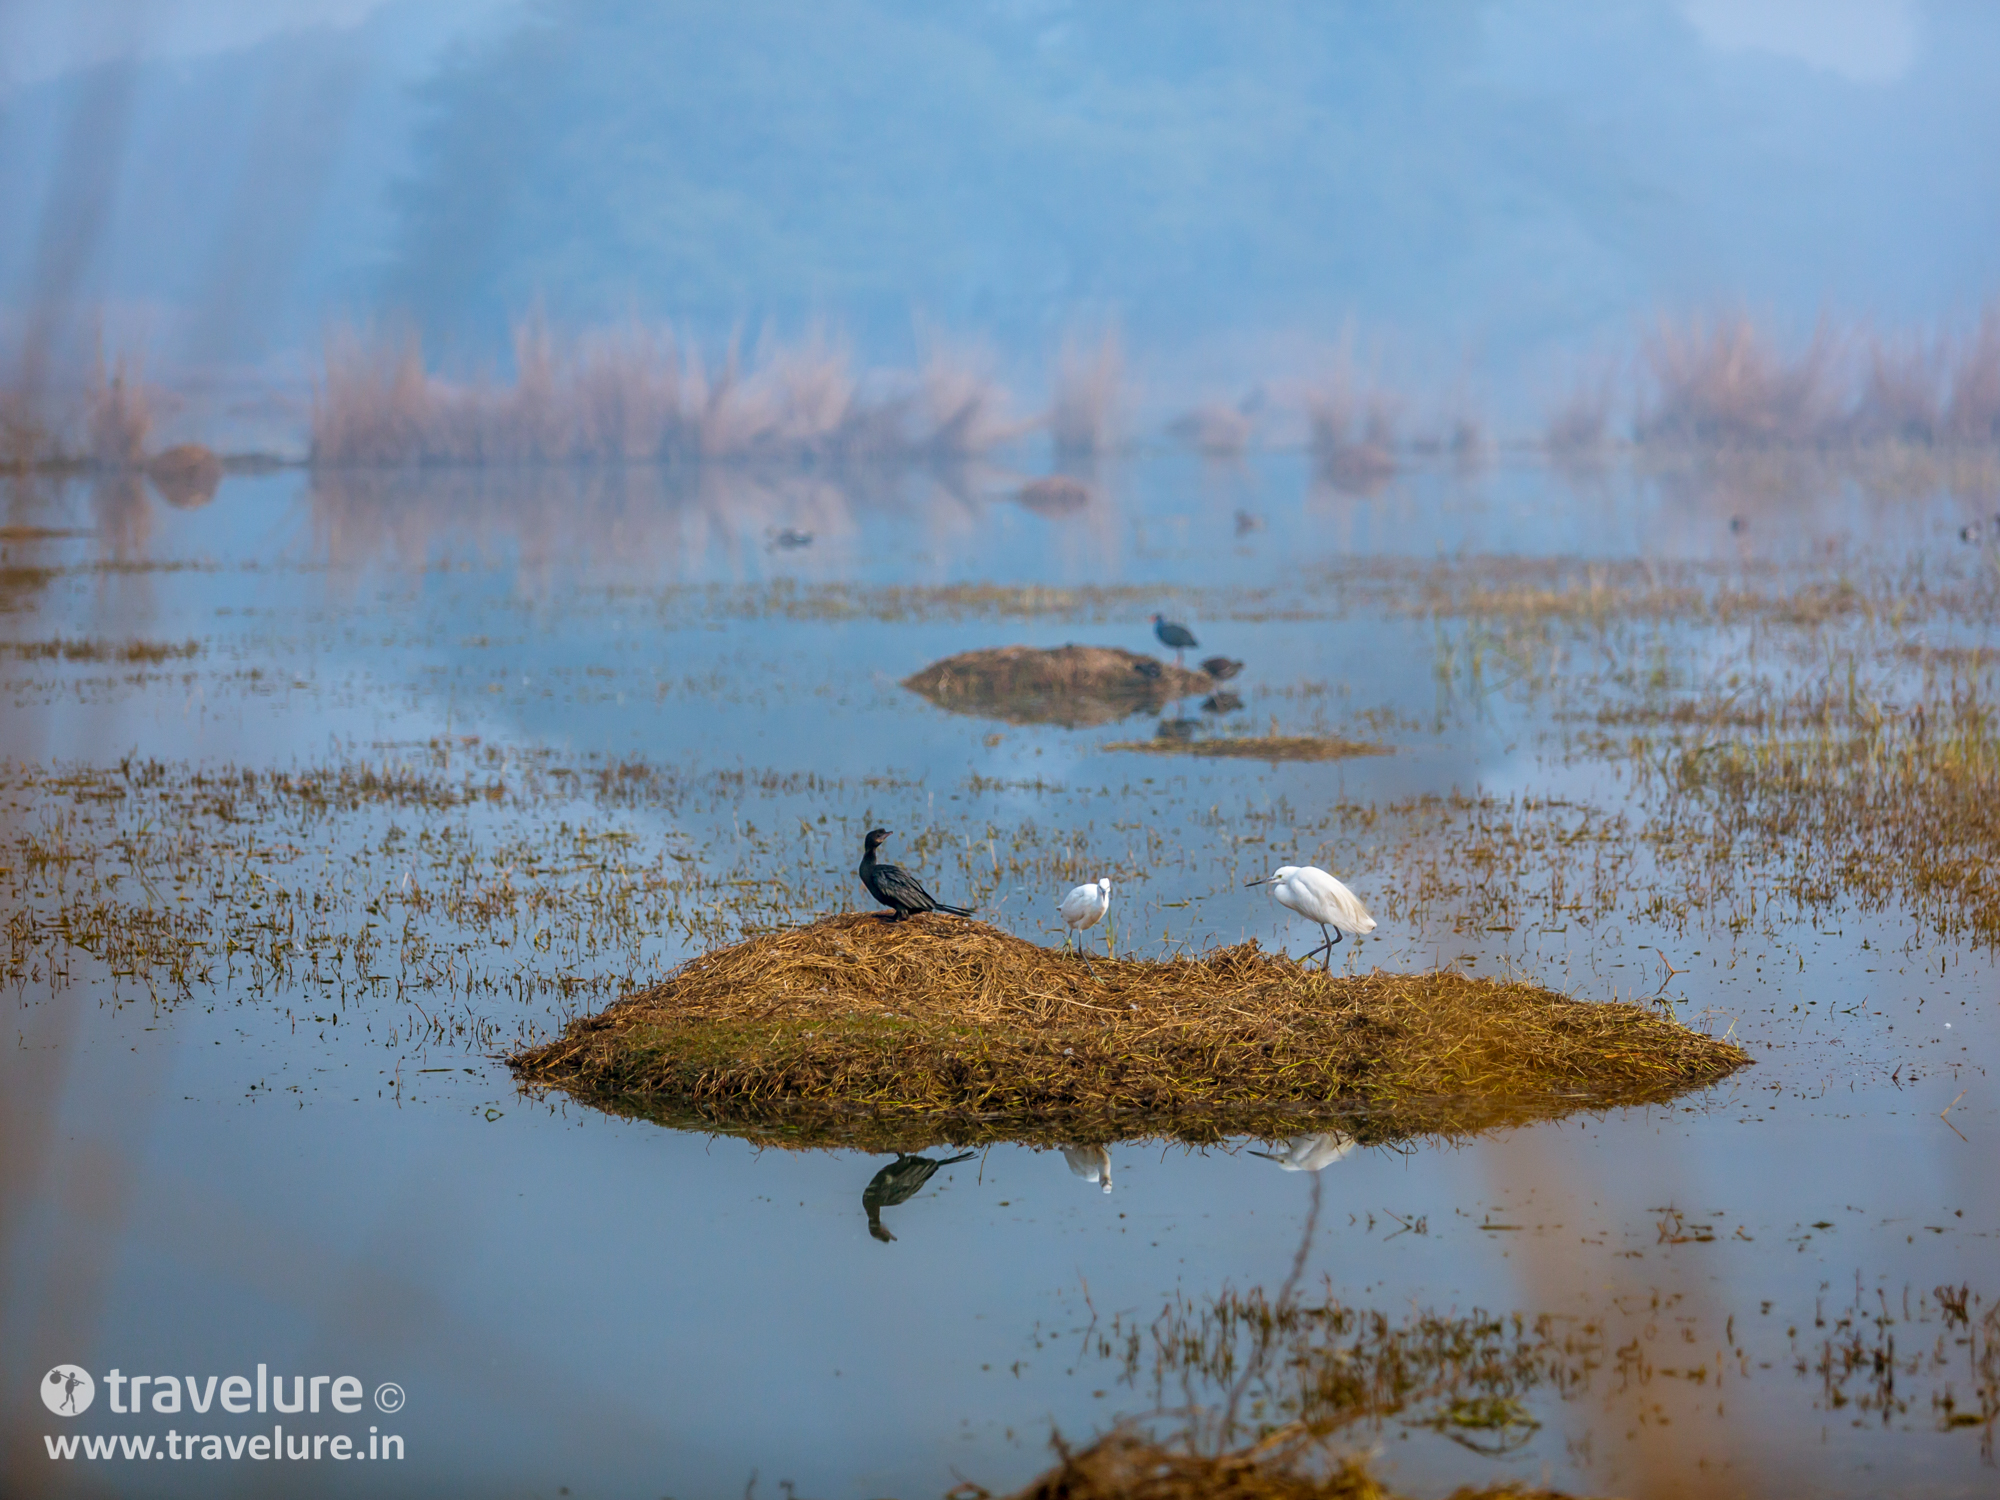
(897, 888)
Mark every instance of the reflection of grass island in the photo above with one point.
(1070, 685)
(897, 1035)
(1256, 747)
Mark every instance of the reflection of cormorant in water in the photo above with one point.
(1092, 1163)
(1309, 1153)
(898, 1183)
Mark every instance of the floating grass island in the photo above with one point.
(1068, 685)
(897, 1035)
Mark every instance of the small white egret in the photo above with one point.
(1309, 1153)
(1085, 906)
(1318, 897)
(1092, 1163)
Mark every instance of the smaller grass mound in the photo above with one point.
(1126, 1465)
(1271, 747)
(1069, 685)
(898, 1033)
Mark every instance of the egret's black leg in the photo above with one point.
(1326, 947)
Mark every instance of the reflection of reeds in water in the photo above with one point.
(636, 394)
(662, 521)
(1353, 433)
(1084, 406)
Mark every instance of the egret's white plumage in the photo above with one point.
(1092, 1163)
(1318, 897)
(1309, 1153)
(1086, 905)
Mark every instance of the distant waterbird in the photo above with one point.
(1221, 668)
(899, 1182)
(1310, 1153)
(790, 540)
(1091, 1163)
(1177, 638)
(1318, 897)
(894, 887)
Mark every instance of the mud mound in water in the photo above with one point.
(1069, 685)
(899, 1034)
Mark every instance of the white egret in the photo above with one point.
(1309, 1153)
(1092, 1163)
(1318, 897)
(1085, 906)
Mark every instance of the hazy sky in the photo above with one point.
(1862, 39)
(1485, 179)
(42, 38)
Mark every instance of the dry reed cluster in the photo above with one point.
(1726, 382)
(853, 1027)
(637, 394)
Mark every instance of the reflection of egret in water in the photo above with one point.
(1092, 1163)
(899, 1182)
(1310, 1153)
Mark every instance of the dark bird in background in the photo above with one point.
(1221, 668)
(899, 1182)
(1979, 531)
(897, 888)
(1147, 668)
(1175, 637)
(1247, 523)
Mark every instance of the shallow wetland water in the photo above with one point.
(317, 802)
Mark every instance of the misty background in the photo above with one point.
(1480, 191)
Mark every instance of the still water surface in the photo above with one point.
(288, 1167)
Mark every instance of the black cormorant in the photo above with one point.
(894, 887)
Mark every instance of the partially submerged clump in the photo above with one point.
(1069, 685)
(1125, 1465)
(853, 1028)
(1271, 747)
(125, 651)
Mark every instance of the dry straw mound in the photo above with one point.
(902, 1033)
(1070, 685)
